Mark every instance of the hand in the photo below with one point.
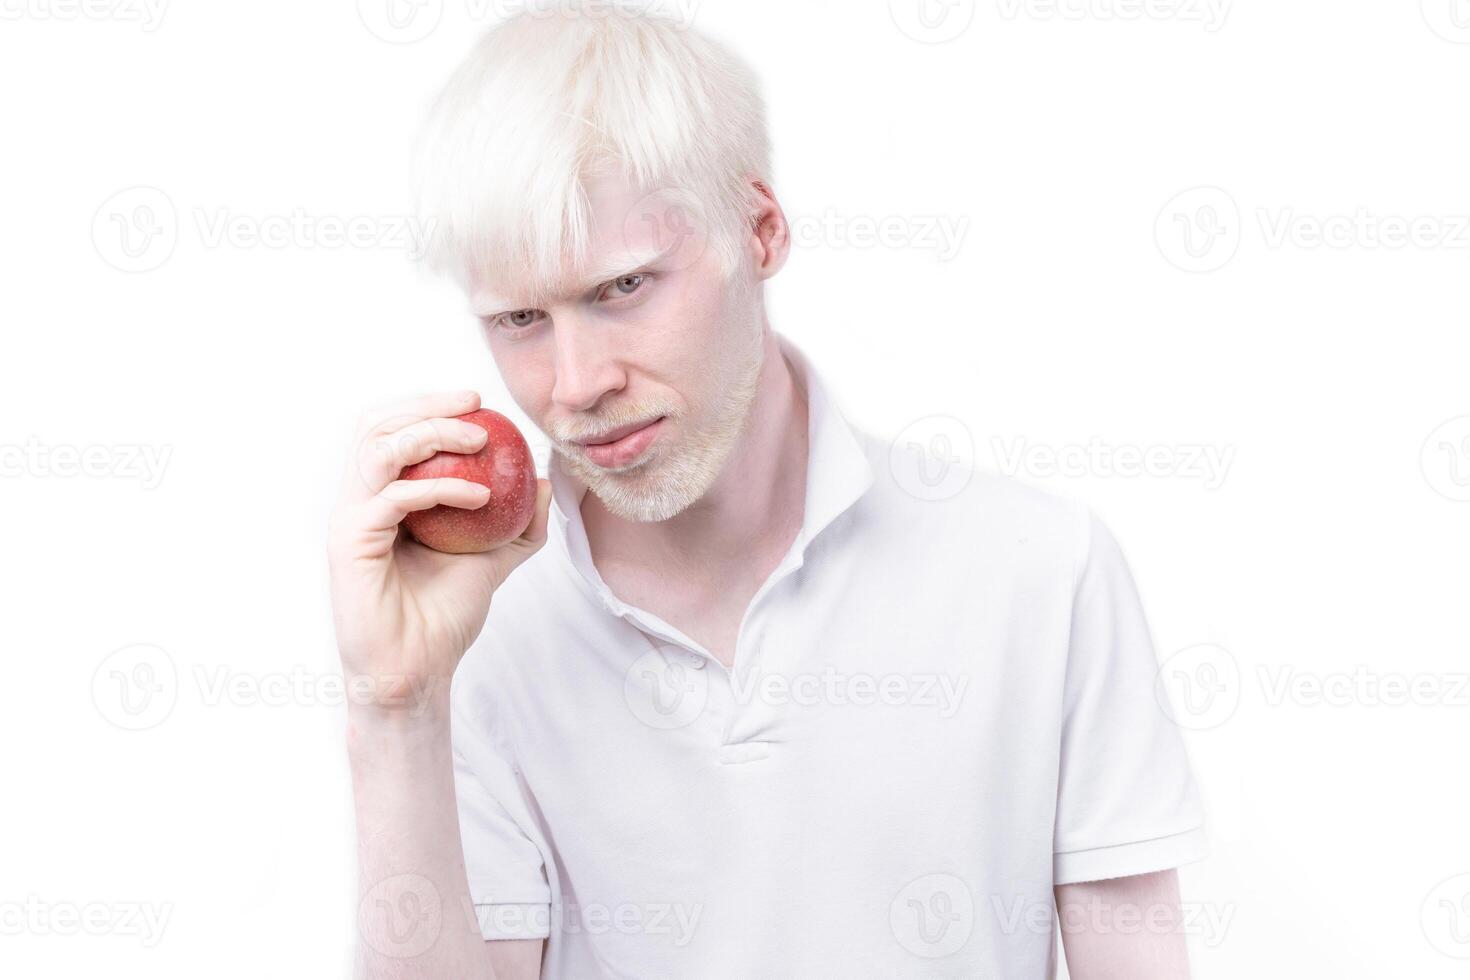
(404, 613)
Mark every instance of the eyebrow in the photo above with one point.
(484, 303)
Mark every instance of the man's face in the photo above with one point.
(643, 369)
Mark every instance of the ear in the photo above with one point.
(770, 239)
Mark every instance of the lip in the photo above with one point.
(624, 445)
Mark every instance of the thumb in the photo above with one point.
(535, 532)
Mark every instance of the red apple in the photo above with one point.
(504, 465)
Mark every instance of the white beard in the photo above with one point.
(671, 479)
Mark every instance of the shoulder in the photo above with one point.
(930, 491)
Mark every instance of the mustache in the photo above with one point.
(591, 425)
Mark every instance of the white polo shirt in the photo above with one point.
(942, 704)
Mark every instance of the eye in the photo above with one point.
(624, 286)
(516, 321)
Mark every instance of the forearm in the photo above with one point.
(415, 916)
(1124, 928)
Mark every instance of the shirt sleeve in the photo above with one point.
(1126, 800)
(503, 857)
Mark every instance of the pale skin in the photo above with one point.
(405, 615)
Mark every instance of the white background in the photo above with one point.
(1087, 304)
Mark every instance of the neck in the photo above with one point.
(756, 502)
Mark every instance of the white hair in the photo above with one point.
(544, 101)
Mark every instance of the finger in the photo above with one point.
(401, 497)
(396, 415)
(532, 538)
(382, 456)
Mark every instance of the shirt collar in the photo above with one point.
(838, 474)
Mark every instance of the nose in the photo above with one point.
(587, 366)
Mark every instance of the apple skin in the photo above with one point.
(503, 464)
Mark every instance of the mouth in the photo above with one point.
(622, 446)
